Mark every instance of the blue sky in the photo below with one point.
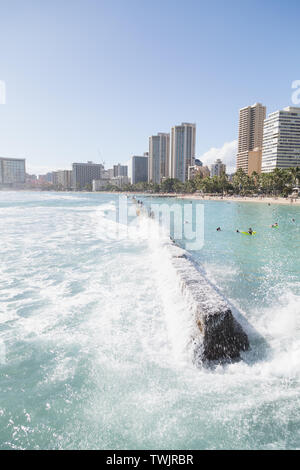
(92, 79)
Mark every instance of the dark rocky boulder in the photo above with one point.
(217, 335)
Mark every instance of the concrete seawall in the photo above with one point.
(217, 334)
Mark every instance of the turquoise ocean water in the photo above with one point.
(94, 341)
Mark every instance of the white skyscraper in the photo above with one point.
(183, 144)
(12, 171)
(281, 140)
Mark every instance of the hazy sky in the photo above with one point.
(92, 79)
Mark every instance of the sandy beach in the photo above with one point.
(260, 199)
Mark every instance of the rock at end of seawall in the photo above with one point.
(223, 337)
(218, 336)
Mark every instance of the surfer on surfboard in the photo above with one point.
(249, 232)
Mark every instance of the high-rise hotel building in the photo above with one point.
(159, 156)
(84, 173)
(139, 169)
(281, 143)
(120, 170)
(183, 145)
(63, 178)
(251, 125)
(12, 171)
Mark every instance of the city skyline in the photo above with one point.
(59, 110)
(264, 143)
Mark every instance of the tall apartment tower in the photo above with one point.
(183, 145)
(159, 156)
(281, 143)
(251, 126)
(63, 178)
(120, 170)
(84, 173)
(12, 171)
(139, 169)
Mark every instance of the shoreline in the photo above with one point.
(260, 199)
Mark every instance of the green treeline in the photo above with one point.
(278, 182)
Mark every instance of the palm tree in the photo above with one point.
(266, 182)
(189, 186)
(281, 179)
(241, 181)
(255, 179)
(295, 174)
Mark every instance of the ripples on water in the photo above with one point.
(94, 333)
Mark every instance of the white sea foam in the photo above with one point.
(178, 316)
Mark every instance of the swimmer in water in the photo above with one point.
(219, 229)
